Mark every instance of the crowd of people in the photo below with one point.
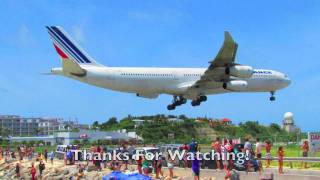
(145, 166)
(142, 164)
(253, 151)
(24, 152)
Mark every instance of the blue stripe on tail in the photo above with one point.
(71, 45)
(63, 46)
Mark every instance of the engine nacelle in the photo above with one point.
(147, 95)
(239, 71)
(235, 85)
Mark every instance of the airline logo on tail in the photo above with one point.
(66, 47)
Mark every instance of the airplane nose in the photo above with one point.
(287, 81)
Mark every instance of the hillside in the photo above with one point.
(162, 129)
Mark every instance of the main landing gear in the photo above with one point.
(177, 101)
(197, 102)
(272, 98)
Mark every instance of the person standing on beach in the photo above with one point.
(20, 153)
(158, 166)
(268, 153)
(280, 159)
(305, 150)
(33, 172)
(258, 148)
(258, 153)
(18, 170)
(248, 147)
(170, 165)
(131, 150)
(216, 147)
(41, 167)
(125, 156)
(46, 155)
(145, 166)
(193, 146)
(139, 164)
(196, 168)
(51, 157)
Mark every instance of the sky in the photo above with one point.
(279, 35)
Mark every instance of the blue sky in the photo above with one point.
(279, 35)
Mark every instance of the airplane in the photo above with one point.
(223, 75)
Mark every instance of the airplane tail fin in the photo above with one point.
(72, 55)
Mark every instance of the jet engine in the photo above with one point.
(239, 71)
(235, 85)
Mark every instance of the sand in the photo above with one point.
(58, 170)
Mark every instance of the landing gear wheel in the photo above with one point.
(195, 103)
(171, 107)
(177, 103)
(272, 98)
(203, 98)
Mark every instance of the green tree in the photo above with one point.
(275, 127)
(110, 124)
(182, 116)
(32, 143)
(85, 142)
(95, 125)
(76, 141)
(112, 121)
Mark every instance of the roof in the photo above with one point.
(226, 120)
(138, 120)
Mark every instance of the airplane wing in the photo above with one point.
(216, 70)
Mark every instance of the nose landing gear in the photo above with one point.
(272, 98)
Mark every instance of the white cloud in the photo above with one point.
(78, 34)
(22, 37)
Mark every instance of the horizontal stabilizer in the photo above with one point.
(70, 67)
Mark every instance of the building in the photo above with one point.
(67, 138)
(47, 140)
(288, 123)
(226, 121)
(72, 124)
(48, 126)
(138, 122)
(175, 120)
(12, 125)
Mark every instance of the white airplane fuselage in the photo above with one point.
(223, 75)
(150, 82)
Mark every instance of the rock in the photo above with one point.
(10, 173)
(73, 171)
(91, 168)
(65, 172)
(60, 177)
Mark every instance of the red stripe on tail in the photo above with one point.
(60, 52)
